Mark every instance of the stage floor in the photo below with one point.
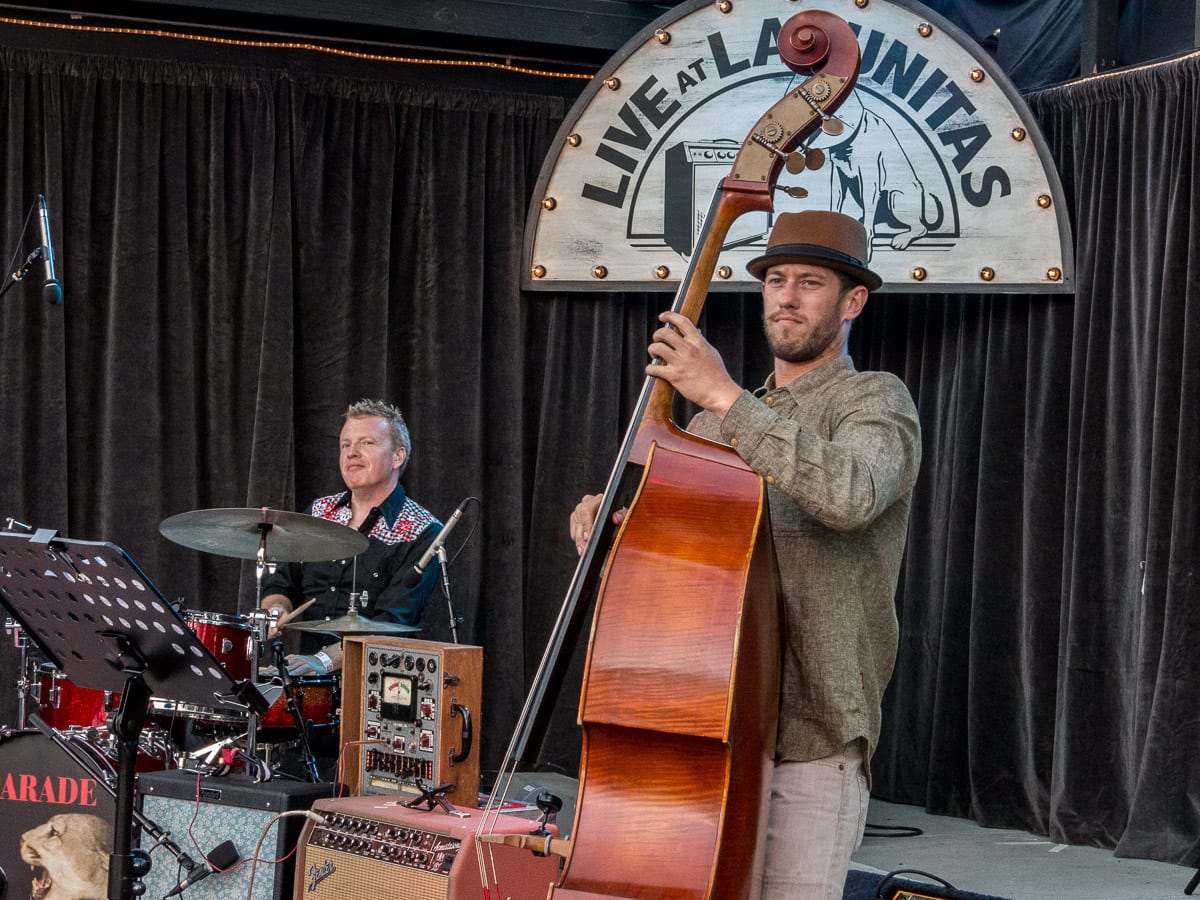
(1013, 864)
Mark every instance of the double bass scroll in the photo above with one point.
(680, 695)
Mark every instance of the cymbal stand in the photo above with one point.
(445, 567)
(27, 686)
(263, 565)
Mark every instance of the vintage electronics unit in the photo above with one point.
(415, 706)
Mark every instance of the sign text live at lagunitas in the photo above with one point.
(939, 157)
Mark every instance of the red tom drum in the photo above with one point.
(318, 698)
(229, 638)
(64, 704)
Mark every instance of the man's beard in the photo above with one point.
(804, 347)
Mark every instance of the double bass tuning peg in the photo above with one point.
(832, 126)
(811, 158)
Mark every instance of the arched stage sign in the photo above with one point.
(940, 157)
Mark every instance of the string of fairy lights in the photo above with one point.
(303, 46)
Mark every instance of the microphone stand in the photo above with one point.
(293, 708)
(16, 275)
(441, 555)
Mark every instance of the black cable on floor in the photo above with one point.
(891, 831)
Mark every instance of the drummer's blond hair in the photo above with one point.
(366, 409)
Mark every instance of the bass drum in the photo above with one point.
(58, 822)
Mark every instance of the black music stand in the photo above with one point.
(99, 619)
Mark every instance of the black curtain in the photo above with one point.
(251, 239)
(1048, 675)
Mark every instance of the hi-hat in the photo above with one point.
(280, 535)
(352, 623)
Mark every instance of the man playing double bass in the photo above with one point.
(839, 450)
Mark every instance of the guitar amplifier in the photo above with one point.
(376, 847)
(229, 808)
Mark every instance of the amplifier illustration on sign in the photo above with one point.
(693, 171)
(410, 717)
(379, 848)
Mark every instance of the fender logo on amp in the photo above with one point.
(317, 874)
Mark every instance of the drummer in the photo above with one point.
(374, 451)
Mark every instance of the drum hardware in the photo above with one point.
(27, 687)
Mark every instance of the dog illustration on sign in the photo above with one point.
(870, 167)
(69, 856)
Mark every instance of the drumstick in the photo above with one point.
(287, 617)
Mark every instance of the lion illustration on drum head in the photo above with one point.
(69, 856)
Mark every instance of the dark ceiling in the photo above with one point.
(1040, 41)
(581, 33)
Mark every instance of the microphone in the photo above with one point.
(438, 542)
(222, 857)
(53, 290)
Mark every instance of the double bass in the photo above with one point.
(680, 696)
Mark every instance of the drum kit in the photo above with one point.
(239, 642)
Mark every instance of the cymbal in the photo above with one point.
(352, 624)
(288, 536)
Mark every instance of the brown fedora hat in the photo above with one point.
(820, 237)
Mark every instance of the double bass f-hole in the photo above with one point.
(680, 692)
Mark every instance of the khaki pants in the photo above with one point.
(818, 812)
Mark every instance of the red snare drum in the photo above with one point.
(318, 698)
(64, 704)
(229, 638)
(165, 712)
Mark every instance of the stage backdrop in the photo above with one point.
(250, 239)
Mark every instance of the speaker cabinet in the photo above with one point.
(231, 808)
(377, 848)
